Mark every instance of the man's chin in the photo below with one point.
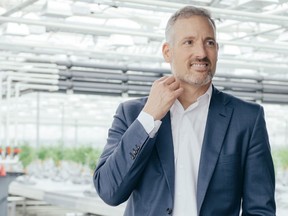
(197, 82)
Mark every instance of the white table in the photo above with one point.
(65, 194)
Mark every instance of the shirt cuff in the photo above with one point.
(150, 126)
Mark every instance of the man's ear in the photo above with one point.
(166, 52)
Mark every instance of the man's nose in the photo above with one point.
(200, 51)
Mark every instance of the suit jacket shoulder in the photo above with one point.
(235, 102)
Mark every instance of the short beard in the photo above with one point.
(195, 82)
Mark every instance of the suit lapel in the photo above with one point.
(218, 119)
(164, 145)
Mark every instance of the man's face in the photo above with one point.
(192, 51)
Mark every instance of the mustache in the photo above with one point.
(201, 60)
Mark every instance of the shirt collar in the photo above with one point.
(203, 99)
(207, 94)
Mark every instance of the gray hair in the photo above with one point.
(186, 12)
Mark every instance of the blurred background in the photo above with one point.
(65, 65)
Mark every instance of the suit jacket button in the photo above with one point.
(169, 211)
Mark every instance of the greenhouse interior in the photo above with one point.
(65, 65)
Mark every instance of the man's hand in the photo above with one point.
(163, 93)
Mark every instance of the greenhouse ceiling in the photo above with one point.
(62, 60)
(84, 46)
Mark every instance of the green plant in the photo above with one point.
(92, 158)
(44, 153)
(84, 155)
(27, 155)
(57, 154)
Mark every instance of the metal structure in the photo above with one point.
(113, 48)
(68, 42)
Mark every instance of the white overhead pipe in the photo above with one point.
(25, 86)
(10, 79)
(284, 8)
(14, 60)
(30, 75)
(67, 50)
(29, 49)
(18, 7)
(32, 80)
(81, 28)
(218, 12)
(29, 70)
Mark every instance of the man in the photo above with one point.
(188, 149)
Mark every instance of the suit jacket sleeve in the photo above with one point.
(259, 178)
(124, 157)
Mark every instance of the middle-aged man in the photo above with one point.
(188, 149)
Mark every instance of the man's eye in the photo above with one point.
(211, 43)
(188, 42)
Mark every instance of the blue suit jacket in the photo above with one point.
(235, 168)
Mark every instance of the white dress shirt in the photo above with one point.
(188, 127)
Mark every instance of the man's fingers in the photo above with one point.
(178, 92)
(169, 80)
(162, 78)
(174, 85)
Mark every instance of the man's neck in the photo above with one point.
(191, 94)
